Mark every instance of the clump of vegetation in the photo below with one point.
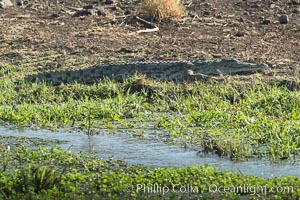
(163, 9)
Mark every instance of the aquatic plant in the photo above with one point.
(56, 174)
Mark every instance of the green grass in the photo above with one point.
(56, 174)
(235, 120)
(232, 119)
(239, 122)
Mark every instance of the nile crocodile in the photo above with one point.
(157, 70)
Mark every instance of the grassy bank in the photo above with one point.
(230, 118)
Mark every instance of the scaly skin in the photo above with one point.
(158, 70)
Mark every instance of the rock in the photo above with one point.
(54, 15)
(239, 34)
(109, 2)
(124, 50)
(5, 3)
(283, 19)
(266, 21)
(82, 13)
(206, 13)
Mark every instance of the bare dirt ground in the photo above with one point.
(43, 35)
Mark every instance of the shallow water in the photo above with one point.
(152, 152)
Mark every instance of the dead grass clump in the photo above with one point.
(163, 9)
